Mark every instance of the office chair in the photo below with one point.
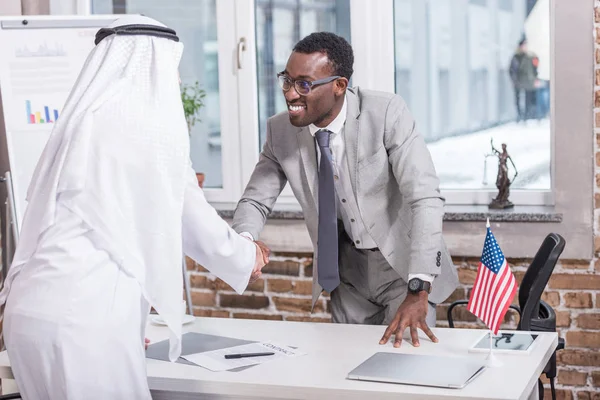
(534, 313)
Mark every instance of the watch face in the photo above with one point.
(413, 284)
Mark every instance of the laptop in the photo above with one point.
(419, 369)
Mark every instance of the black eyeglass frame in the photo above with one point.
(311, 84)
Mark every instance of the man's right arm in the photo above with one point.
(263, 189)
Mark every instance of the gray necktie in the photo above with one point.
(327, 246)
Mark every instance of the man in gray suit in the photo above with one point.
(367, 187)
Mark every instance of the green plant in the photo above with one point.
(192, 98)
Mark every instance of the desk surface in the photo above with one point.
(332, 351)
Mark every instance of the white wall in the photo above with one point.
(10, 7)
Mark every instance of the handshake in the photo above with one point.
(262, 259)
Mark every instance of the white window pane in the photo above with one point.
(280, 24)
(195, 23)
(452, 61)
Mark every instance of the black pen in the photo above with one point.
(229, 356)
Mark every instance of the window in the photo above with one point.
(196, 26)
(470, 85)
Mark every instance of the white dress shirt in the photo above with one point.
(347, 208)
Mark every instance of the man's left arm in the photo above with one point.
(414, 171)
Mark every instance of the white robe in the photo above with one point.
(111, 204)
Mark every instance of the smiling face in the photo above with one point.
(325, 101)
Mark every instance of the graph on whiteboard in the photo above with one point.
(46, 115)
(42, 50)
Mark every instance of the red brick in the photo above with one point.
(308, 268)
(585, 395)
(597, 15)
(563, 319)
(578, 300)
(202, 312)
(269, 317)
(203, 299)
(583, 358)
(575, 281)
(287, 267)
(596, 378)
(598, 300)
(303, 287)
(467, 276)
(190, 264)
(597, 99)
(561, 394)
(294, 304)
(597, 77)
(589, 321)
(597, 238)
(572, 377)
(308, 319)
(552, 298)
(257, 286)
(279, 285)
(202, 282)
(597, 195)
(583, 339)
(458, 294)
(254, 302)
(597, 56)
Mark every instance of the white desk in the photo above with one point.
(332, 351)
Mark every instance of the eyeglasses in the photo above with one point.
(302, 86)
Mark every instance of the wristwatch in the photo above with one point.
(415, 285)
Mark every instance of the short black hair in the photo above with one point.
(338, 51)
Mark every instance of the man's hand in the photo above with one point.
(411, 313)
(262, 259)
(265, 250)
(146, 343)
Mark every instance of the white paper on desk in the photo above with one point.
(215, 360)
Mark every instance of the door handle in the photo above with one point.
(241, 47)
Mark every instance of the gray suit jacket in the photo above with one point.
(393, 179)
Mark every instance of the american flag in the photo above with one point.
(495, 285)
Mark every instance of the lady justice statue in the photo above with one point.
(502, 181)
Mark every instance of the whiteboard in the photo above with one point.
(40, 59)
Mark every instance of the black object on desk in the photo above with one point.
(230, 356)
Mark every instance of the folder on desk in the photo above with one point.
(419, 369)
(193, 342)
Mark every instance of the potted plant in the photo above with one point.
(192, 98)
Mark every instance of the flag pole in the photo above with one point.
(492, 361)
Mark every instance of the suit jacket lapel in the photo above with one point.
(351, 135)
(308, 154)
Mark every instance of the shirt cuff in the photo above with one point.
(423, 277)
(247, 235)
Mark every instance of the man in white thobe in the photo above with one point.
(112, 201)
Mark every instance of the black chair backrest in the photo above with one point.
(536, 278)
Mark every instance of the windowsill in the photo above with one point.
(456, 213)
